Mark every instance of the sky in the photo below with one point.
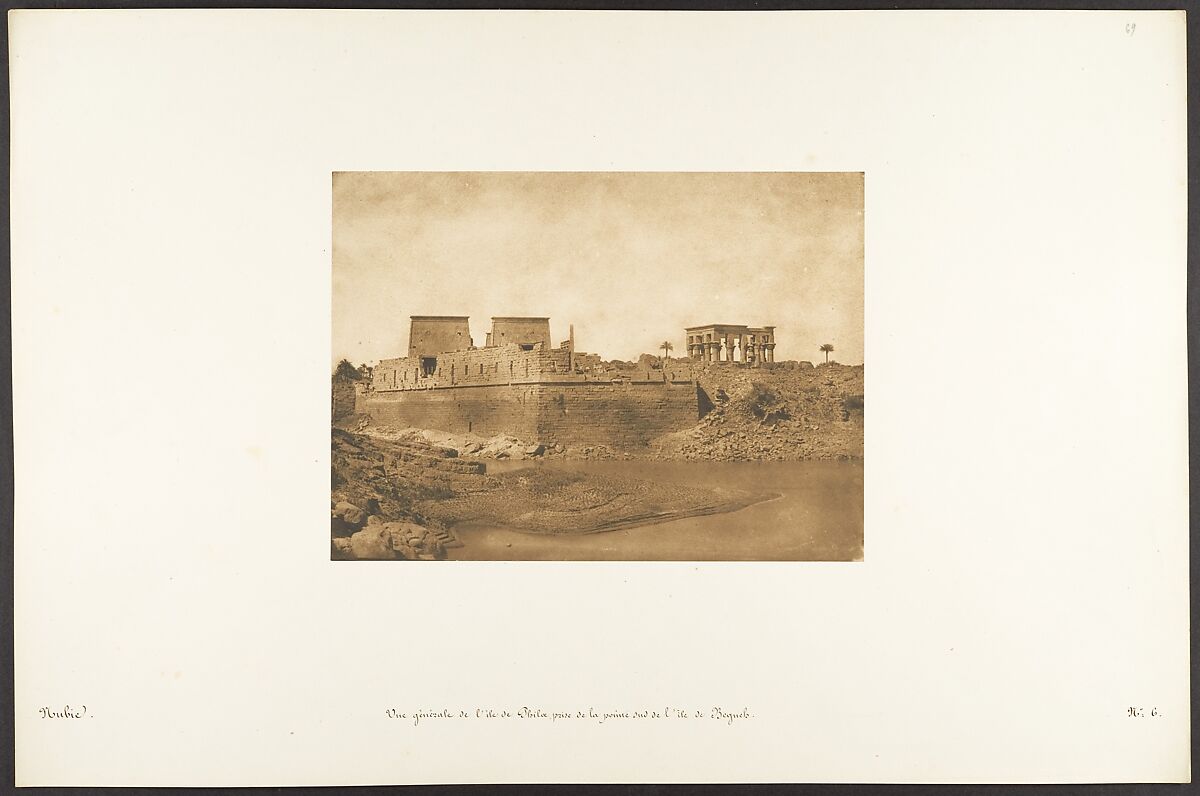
(629, 258)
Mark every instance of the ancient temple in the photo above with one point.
(724, 342)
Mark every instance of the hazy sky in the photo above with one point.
(629, 258)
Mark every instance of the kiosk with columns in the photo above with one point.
(724, 342)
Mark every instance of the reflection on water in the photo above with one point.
(818, 518)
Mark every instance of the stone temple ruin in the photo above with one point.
(518, 383)
(723, 342)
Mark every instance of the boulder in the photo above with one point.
(402, 529)
(340, 527)
(372, 544)
(351, 514)
(535, 450)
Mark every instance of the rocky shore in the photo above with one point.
(398, 496)
(375, 487)
(501, 447)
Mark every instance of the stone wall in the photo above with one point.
(486, 410)
(343, 397)
(499, 365)
(623, 415)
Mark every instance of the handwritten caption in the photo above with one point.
(590, 714)
(1141, 713)
(66, 712)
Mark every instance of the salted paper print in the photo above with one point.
(588, 366)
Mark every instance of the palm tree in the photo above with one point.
(667, 348)
(827, 348)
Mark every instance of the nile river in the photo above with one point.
(819, 517)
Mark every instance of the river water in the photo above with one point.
(818, 518)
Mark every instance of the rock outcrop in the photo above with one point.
(375, 485)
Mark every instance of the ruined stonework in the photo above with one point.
(498, 365)
(527, 389)
(343, 397)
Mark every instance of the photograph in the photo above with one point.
(585, 366)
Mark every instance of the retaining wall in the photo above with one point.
(623, 415)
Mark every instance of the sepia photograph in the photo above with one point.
(564, 366)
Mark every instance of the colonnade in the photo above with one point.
(732, 348)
